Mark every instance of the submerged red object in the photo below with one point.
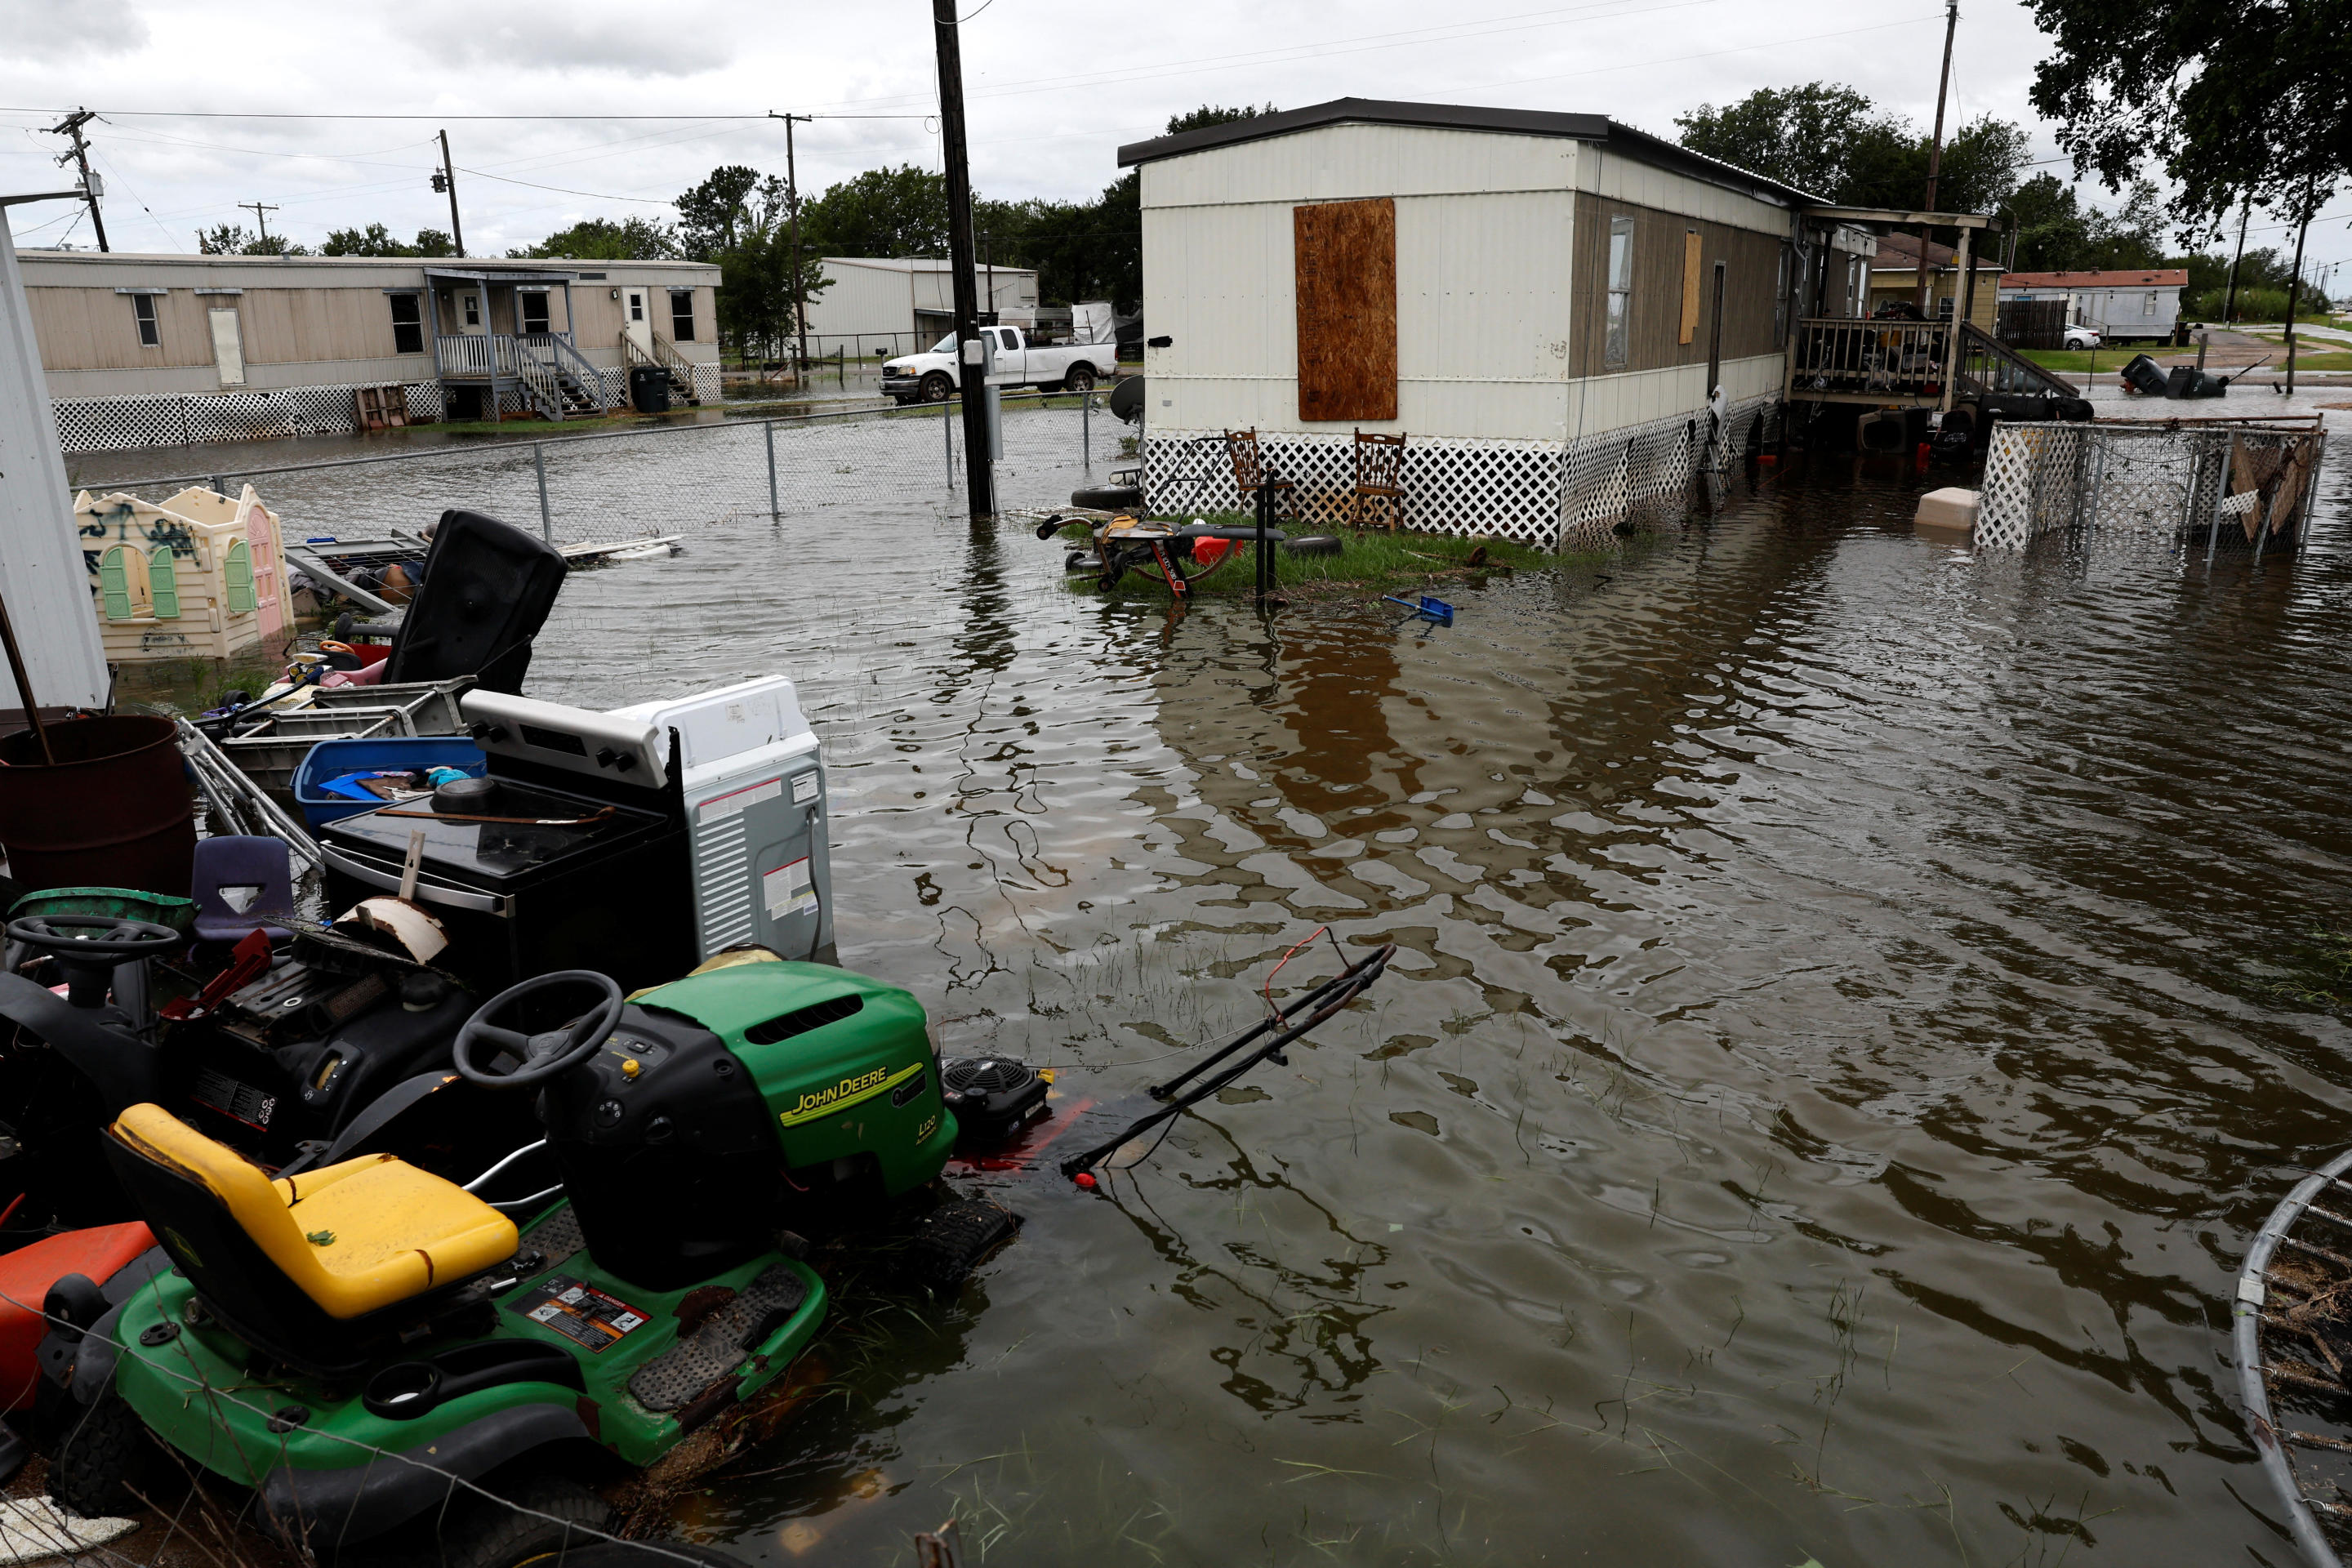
(25, 1275)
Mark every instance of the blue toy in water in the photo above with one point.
(1437, 610)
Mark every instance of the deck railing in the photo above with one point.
(474, 356)
(1843, 358)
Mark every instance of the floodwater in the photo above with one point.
(1829, 1079)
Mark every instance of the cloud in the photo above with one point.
(46, 30)
(674, 41)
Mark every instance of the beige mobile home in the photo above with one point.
(157, 349)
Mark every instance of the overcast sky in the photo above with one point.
(1054, 88)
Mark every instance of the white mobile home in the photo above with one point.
(2135, 303)
(895, 305)
(1507, 287)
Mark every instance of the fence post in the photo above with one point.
(546, 519)
(947, 438)
(2221, 494)
(775, 513)
(1087, 430)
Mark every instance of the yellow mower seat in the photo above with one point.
(355, 1237)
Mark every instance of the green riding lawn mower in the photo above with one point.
(345, 1340)
(396, 1368)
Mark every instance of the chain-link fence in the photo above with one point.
(675, 480)
(2241, 486)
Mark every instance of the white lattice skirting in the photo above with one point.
(119, 424)
(1539, 492)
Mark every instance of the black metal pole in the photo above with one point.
(1264, 555)
(979, 476)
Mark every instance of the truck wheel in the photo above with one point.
(936, 387)
(1080, 379)
(484, 1532)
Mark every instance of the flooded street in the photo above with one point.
(1828, 1080)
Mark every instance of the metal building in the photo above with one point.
(898, 304)
(1504, 286)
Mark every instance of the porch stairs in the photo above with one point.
(665, 354)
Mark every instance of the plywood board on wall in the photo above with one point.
(1691, 257)
(1345, 260)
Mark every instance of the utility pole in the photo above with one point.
(2230, 305)
(260, 216)
(793, 201)
(971, 367)
(2294, 283)
(79, 157)
(1936, 148)
(446, 180)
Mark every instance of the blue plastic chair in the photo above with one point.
(234, 861)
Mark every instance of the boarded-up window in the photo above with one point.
(1690, 284)
(1345, 265)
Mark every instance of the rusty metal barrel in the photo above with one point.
(114, 810)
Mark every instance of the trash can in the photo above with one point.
(648, 389)
(113, 810)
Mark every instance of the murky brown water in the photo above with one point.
(1821, 1104)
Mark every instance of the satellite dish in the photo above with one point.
(1126, 398)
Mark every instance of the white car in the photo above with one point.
(2082, 338)
(1066, 367)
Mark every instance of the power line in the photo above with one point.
(561, 190)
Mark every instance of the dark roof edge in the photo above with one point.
(1593, 128)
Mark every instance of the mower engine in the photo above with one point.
(991, 1097)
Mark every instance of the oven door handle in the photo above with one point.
(427, 892)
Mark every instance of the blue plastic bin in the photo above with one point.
(333, 759)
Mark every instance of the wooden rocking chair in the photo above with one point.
(1249, 473)
(1380, 481)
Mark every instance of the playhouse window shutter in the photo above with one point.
(236, 575)
(164, 583)
(115, 583)
(1345, 261)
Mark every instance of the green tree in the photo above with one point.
(1833, 142)
(1806, 136)
(2235, 100)
(710, 215)
(231, 239)
(899, 211)
(373, 240)
(602, 239)
(435, 242)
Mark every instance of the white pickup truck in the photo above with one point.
(932, 377)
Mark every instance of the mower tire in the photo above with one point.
(548, 1513)
(952, 1239)
(1313, 544)
(103, 1459)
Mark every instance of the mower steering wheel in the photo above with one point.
(84, 937)
(546, 1054)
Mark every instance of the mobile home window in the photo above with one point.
(681, 315)
(2147, 306)
(473, 306)
(143, 309)
(407, 325)
(534, 313)
(1621, 288)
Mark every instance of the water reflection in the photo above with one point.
(1827, 1084)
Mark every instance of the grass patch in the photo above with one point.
(1372, 562)
(2081, 362)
